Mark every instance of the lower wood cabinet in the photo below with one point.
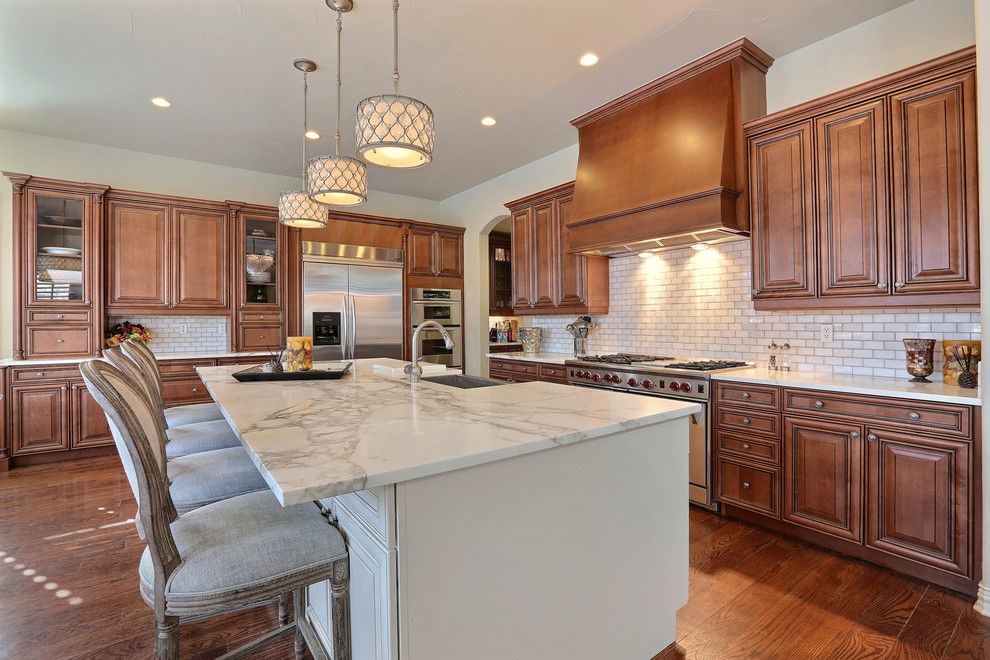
(89, 427)
(887, 480)
(39, 418)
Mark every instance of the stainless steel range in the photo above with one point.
(670, 377)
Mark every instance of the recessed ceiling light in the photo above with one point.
(488, 121)
(588, 59)
(312, 135)
(161, 102)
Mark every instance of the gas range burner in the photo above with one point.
(623, 358)
(706, 365)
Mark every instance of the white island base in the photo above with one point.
(577, 552)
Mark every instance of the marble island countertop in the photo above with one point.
(316, 439)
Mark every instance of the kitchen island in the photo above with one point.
(528, 520)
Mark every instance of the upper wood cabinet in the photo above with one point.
(260, 278)
(546, 279)
(868, 197)
(499, 274)
(435, 253)
(166, 254)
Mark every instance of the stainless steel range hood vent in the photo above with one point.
(710, 237)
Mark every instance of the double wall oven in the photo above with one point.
(444, 307)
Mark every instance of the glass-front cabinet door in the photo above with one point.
(60, 262)
(262, 272)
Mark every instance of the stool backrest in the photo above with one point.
(142, 355)
(138, 372)
(140, 441)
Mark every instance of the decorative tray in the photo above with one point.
(331, 371)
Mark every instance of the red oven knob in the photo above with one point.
(647, 384)
(631, 382)
(674, 385)
(594, 378)
(685, 387)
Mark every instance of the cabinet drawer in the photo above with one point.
(749, 486)
(902, 413)
(52, 341)
(371, 506)
(274, 316)
(189, 390)
(515, 378)
(515, 366)
(260, 337)
(182, 368)
(555, 372)
(44, 372)
(46, 316)
(246, 359)
(759, 423)
(764, 397)
(754, 449)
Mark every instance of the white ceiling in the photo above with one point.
(85, 69)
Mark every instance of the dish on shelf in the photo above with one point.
(64, 276)
(62, 251)
(258, 267)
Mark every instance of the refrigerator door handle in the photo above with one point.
(353, 316)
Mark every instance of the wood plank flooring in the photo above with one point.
(68, 588)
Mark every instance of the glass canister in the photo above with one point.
(299, 354)
(920, 358)
(532, 339)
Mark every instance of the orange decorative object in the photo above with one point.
(950, 367)
(299, 356)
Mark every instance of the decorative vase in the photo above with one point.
(299, 354)
(532, 339)
(258, 267)
(920, 358)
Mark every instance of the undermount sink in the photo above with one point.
(463, 382)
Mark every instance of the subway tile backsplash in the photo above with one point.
(202, 333)
(689, 303)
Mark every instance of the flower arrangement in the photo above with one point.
(127, 330)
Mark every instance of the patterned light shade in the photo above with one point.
(296, 209)
(337, 180)
(394, 131)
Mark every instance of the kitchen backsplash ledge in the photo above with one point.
(202, 333)
(689, 303)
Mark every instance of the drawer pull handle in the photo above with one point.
(746, 485)
(871, 438)
(819, 404)
(59, 341)
(40, 374)
(745, 445)
(60, 317)
(745, 395)
(746, 420)
(854, 435)
(913, 416)
(195, 389)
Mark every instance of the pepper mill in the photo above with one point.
(772, 362)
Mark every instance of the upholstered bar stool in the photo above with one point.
(177, 415)
(180, 440)
(222, 557)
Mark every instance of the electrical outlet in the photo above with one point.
(825, 331)
(182, 329)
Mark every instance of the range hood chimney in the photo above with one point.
(665, 164)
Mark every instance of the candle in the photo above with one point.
(299, 356)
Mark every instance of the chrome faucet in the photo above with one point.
(413, 369)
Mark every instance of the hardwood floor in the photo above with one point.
(69, 588)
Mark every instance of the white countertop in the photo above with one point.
(193, 355)
(549, 358)
(901, 388)
(316, 439)
(505, 343)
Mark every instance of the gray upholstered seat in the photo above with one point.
(200, 479)
(201, 436)
(241, 543)
(192, 414)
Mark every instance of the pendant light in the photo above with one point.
(338, 180)
(394, 130)
(295, 208)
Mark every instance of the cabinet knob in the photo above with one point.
(746, 485)
(59, 341)
(60, 317)
(854, 435)
(745, 395)
(913, 416)
(746, 420)
(881, 285)
(819, 404)
(871, 438)
(755, 292)
(195, 389)
(40, 374)
(898, 285)
(745, 445)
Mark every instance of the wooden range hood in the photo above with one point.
(665, 164)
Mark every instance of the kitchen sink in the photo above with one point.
(463, 382)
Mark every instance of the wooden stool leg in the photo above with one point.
(297, 606)
(167, 638)
(340, 609)
(283, 609)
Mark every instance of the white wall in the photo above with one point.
(119, 168)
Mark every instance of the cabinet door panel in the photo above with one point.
(545, 257)
(39, 419)
(60, 220)
(852, 192)
(449, 255)
(783, 214)
(201, 264)
(88, 422)
(138, 260)
(522, 259)
(919, 499)
(573, 285)
(933, 134)
(420, 257)
(823, 476)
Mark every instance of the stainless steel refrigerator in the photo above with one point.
(352, 301)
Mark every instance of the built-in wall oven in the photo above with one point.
(444, 307)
